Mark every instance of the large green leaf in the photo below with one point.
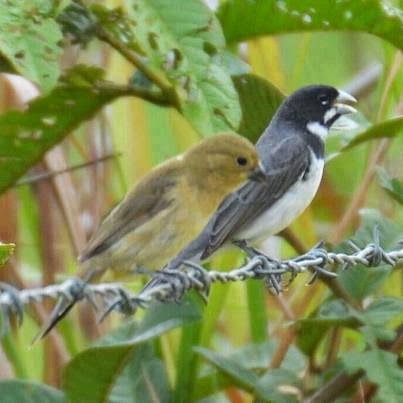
(259, 101)
(29, 392)
(381, 368)
(29, 38)
(86, 381)
(388, 128)
(183, 39)
(6, 250)
(26, 135)
(243, 20)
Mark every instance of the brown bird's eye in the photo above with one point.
(242, 161)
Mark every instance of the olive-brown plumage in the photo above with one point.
(169, 206)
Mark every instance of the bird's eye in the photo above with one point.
(242, 161)
(323, 99)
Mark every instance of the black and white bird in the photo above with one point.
(292, 150)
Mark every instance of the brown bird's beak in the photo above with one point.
(258, 174)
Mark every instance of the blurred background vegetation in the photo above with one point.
(127, 84)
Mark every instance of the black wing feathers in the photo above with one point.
(286, 164)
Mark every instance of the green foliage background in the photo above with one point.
(155, 76)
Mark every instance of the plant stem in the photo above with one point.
(156, 97)
(166, 88)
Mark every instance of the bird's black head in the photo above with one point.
(315, 108)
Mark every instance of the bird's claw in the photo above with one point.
(199, 280)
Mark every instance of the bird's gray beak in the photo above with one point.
(341, 103)
(340, 107)
(258, 174)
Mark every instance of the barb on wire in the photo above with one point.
(174, 284)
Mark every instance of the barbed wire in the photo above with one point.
(174, 284)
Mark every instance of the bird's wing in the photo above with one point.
(286, 163)
(147, 199)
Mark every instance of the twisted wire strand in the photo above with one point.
(192, 276)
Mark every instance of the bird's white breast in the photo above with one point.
(288, 208)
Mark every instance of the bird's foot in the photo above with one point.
(268, 268)
(319, 254)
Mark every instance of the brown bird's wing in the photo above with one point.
(147, 199)
(287, 162)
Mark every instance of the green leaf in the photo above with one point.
(144, 379)
(393, 186)
(272, 382)
(86, 381)
(242, 368)
(26, 135)
(388, 128)
(6, 250)
(253, 358)
(361, 281)
(259, 101)
(90, 376)
(29, 392)
(29, 38)
(242, 20)
(381, 311)
(331, 314)
(183, 40)
(239, 374)
(381, 368)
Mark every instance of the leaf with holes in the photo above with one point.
(242, 20)
(26, 135)
(29, 38)
(183, 42)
